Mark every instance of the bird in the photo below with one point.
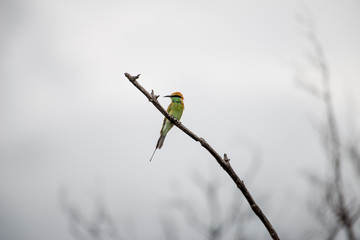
(175, 109)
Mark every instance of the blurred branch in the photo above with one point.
(190, 214)
(333, 193)
(354, 152)
(222, 217)
(223, 162)
(169, 228)
(100, 226)
(301, 82)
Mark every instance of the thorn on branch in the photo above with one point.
(153, 96)
(226, 159)
(132, 78)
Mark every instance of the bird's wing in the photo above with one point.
(169, 107)
(165, 119)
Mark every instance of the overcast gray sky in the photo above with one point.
(70, 118)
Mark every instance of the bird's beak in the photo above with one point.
(167, 96)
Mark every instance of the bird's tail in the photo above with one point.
(160, 141)
(153, 154)
(159, 144)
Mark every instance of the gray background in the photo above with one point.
(69, 119)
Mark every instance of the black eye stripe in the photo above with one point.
(176, 96)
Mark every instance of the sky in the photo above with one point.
(71, 120)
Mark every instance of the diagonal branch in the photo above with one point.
(223, 162)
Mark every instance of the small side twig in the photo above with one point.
(223, 162)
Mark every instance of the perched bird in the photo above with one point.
(175, 109)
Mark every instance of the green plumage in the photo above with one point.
(175, 109)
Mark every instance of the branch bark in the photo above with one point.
(223, 162)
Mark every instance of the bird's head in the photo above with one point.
(175, 96)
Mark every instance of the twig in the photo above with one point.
(223, 162)
(333, 193)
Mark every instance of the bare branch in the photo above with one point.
(222, 162)
(332, 188)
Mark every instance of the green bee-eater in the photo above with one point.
(175, 109)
